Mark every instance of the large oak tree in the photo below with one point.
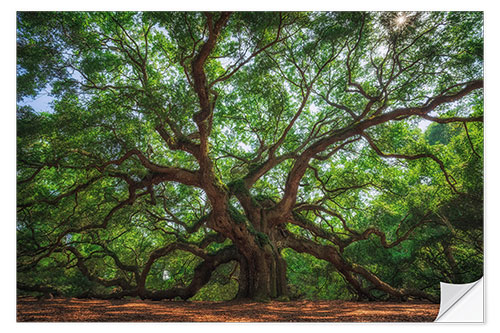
(228, 138)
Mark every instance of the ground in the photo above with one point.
(135, 310)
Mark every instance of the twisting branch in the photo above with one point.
(198, 73)
(284, 207)
(179, 141)
(26, 180)
(316, 230)
(85, 271)
(201, 275)
(449, 179)
(383, 238)
(165, 173)
(452, 119)
(305, 98)
(312, 207)
(56, 200)
(470, 141)
(349, 270)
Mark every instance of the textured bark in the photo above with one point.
(262, 275)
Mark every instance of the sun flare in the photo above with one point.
(401, 20)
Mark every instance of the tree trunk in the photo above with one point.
(262, 269)
(262, 273)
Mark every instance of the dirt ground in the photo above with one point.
(134, 310)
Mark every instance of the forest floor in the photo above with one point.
(134, 310)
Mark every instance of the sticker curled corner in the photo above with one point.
(462, 303)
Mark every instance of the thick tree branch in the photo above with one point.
(301, 164)
(452, 119)
(85, 271)
(330, 254)
(202, 272)
(198, 72)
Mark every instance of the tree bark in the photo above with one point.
(262, 273)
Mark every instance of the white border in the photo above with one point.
(7, 132)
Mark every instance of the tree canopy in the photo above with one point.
(249, 154)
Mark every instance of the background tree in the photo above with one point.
(207, 150)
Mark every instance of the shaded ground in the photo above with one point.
(72, 309)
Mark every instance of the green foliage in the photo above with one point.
(222, 285)
(285, 90)
(311, 278)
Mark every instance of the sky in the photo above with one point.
(41, 103)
